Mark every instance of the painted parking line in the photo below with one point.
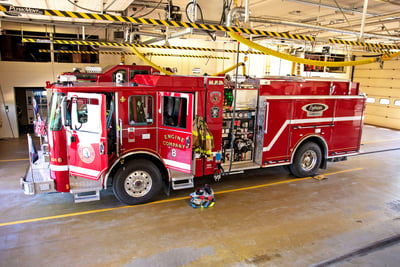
(380, 141)
(12, 160)
(165, 200)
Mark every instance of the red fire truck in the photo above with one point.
(167, 130)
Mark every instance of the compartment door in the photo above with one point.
(276, 131)
(175, 116)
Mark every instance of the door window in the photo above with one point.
(140, 110)
(86, 115)
(174, 111)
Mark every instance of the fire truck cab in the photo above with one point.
(117, 74)
(167, 130)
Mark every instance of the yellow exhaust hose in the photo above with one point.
(231, 68)
(142, 57)
(150, 63)
(261, 48)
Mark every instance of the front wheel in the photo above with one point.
(136, 182)
(307, 160)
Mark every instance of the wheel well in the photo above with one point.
(322, 145)
(149, 157)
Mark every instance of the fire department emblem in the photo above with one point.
(215, 97)
(214, 112)
(86, 154)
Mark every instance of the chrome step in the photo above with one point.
(86, 196)
(85, 190)
(181, 180)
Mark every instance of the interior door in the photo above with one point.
(87, 135)
(175, 116)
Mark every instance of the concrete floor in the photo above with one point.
(261, 218)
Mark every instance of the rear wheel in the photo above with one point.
(136, 182)
(307, 160)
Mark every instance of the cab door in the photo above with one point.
(175, 116)
(86, 136)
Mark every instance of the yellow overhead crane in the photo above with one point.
(232, 32)
(179, 24)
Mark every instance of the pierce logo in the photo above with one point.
(314, 109)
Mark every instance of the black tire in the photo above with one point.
(136, 182)
(307, 160)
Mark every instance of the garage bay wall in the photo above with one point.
(382, 86)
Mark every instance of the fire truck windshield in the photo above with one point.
(55, 123)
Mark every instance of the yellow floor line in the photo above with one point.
(11, 160)
(380, 141)
(164, 200)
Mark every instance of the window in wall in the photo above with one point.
(371, 100)
(397, 103)
(13, 49)
(61, 55)
(384, 101)
(324, 57)
(174, 111)
(140, 110)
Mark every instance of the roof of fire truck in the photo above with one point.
(267, 86)
(147, 82)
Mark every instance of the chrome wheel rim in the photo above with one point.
(308, 160)
(138, 183)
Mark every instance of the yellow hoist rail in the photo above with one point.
(115, 44)
(175, 55)
(309, 61)
(126, 53)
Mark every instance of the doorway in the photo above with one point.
(30, 102)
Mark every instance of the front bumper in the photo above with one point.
(37, 178)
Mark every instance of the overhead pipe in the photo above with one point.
(363, 20)
(232, 13)
(246, 11)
